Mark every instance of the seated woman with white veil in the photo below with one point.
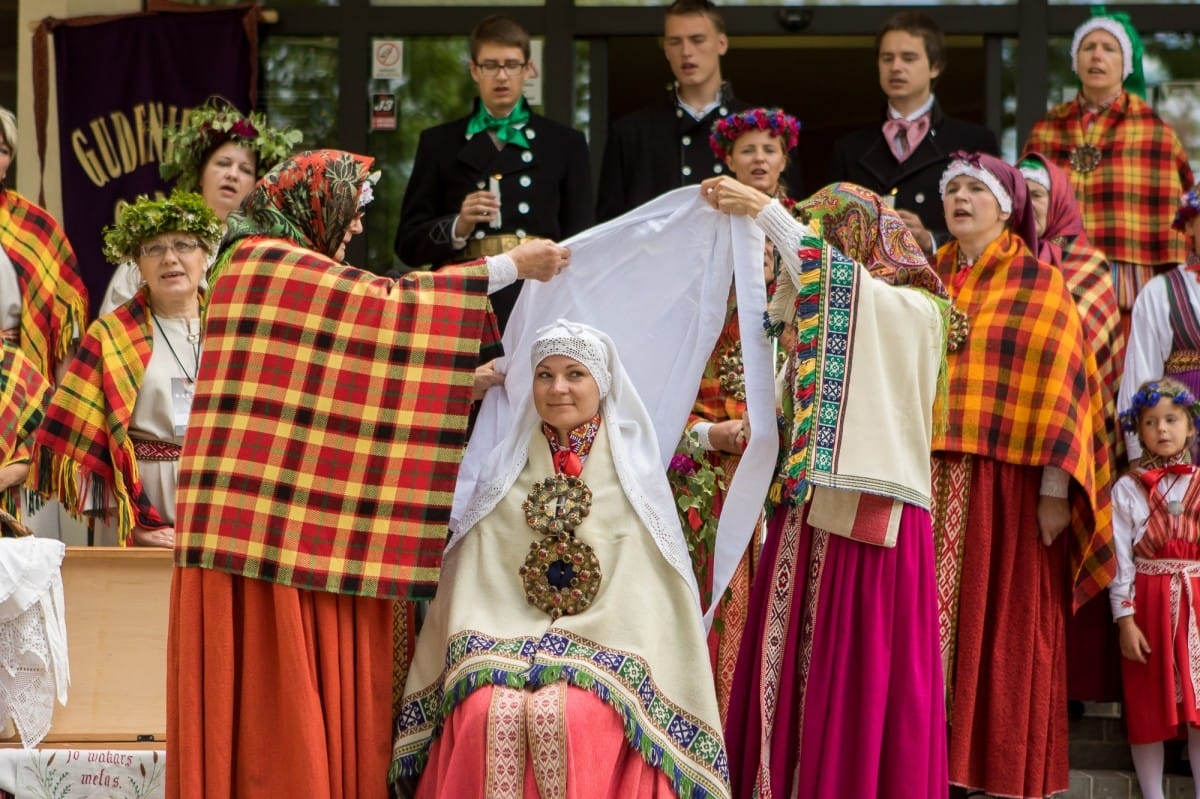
(564, 653)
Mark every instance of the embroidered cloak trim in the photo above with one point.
(328, 421)
(84, 455)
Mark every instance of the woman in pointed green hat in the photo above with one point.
(1126, 164)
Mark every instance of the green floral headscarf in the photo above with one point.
(310, 200)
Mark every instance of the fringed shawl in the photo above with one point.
(24, 392)
(1089, 279)
(328, 421)
(1024, 390)
(862, 346)
(84, 455)
(53, 297)
(1128, 200)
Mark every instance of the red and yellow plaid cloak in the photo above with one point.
(53, 297)
(1129, 199)
(328, 422)
(24, 392)
(1024, 390)
(1089, 279)
(83, 453)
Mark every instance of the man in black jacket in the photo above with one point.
(483, 183)
(904, 157)
(665, 145)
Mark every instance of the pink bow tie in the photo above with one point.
(910, 132)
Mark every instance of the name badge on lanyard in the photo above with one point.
(182, 392)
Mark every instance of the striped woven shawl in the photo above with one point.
(53, 298)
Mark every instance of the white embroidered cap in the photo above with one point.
(959, 167)
(1035, 172)
(1117, 30)
(575, 341)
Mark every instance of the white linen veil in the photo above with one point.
(656, 280)
(634, 451)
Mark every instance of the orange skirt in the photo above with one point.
(275, 691)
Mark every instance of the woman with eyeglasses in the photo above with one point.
(109, 447)
(217, 152)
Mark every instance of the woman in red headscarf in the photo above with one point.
(1063, 242)
(1021, 459)
(1093, 667)
(328, 421)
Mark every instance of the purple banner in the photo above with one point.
(120, 84)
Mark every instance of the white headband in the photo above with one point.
(1038, 174)
(1113, 27)
(577, 342)
(957, 168)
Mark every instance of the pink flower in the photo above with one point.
(683, 464)
(244, 129)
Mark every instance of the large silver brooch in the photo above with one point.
(1084, 157)
(561, 574)
(731, 373)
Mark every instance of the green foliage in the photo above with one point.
(182, 212)
(213, 124)
(696, 481)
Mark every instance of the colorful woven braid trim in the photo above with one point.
(669, 739)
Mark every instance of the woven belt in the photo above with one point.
(1181, 572)
(1182, 361)
(492, 245)
(12, 335)
(146, 449)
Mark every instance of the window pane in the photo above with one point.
(436, 88)
(809, 3)
(443, 3)
(300, 76)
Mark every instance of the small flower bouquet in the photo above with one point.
(696, 481)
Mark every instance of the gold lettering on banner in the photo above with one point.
(126, 146)
(122, 141)
(104, 143)
(87, 158)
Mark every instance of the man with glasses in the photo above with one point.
(483, 183)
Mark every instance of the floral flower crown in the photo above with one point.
(211, 125)
(182, 212)
(729, 129)
(1189, 209)
(1149, 396)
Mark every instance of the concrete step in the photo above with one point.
(1114, 784)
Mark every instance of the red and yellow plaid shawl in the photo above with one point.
(1065, 244)
(328, 421)
(83, 452)
(1023, 389)
(24, 393)
(1129, 199)
(53, 298)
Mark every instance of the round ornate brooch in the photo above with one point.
(731, 373)
(561, 574)
(1084, 157)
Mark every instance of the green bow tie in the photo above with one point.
(507, 129)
